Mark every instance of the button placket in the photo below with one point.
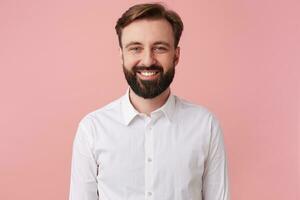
(148, 159)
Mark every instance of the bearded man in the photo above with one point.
(149, 144)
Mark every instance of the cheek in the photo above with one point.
(167, 62)
(129, 61)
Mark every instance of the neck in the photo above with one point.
(146, 106)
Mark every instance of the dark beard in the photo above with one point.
(149, 89)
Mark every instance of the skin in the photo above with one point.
(144, 43)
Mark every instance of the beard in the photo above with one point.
(149, 89)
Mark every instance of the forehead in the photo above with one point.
(147, 31)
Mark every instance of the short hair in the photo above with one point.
(150, 11)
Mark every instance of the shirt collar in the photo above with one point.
(129, 112)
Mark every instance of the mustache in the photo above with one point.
(135, 69)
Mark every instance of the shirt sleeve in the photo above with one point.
(83, 184)
(215, 177)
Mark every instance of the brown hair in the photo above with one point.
(150, 11)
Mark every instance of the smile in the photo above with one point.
(148, 73)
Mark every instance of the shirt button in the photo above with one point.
(149, 193)
(149, 159)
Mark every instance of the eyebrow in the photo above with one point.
(132, 43)
(162, 43)
(155, 43)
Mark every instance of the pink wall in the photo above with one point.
(59, 60)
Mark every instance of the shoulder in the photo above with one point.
(193, 111)
(110, 111)
(190, 107)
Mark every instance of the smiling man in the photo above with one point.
(149, 144)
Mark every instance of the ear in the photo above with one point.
(177, 55)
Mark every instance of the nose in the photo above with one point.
(148, 58)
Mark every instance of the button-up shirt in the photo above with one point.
(175, 153)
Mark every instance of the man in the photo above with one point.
(149, 144)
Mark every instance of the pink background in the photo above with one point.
(59, 60)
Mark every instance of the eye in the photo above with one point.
(135, 49)
(160, 49)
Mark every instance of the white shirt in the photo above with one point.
(176, 153)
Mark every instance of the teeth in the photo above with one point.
(148, 73)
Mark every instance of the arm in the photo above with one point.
(215, 177)
(83, 184)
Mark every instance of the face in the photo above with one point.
(149, 56)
